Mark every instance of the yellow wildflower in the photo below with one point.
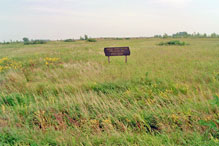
(50, 60)
(174, 117)
(107, 121)
(3, 108)
(94, 122)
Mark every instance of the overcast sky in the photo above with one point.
(61, 19)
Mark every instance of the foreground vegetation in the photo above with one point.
(67, 94)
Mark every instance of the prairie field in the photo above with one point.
(66, 93)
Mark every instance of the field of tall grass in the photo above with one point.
(67, 94)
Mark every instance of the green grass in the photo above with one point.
(67, 94)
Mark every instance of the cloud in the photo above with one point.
(173, 2)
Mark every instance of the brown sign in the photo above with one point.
(117, 51)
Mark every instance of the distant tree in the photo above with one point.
(184, 34)
(69, 40)
(198, 35)
(165, 36)
(26, 41)
(158, 36)
(180, 34)
(33, 42)
(81, 38)
(86, 37)
(213, 35)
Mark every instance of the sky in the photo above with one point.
(63, 19)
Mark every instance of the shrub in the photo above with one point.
(118, 38)
(32, 42)
(38, 42)
(81, 38)
(91, 40)
(172, 43)
(69, 40)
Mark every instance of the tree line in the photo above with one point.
(186, 35)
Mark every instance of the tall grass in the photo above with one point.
(67, 94)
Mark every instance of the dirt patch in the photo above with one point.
(3, 123)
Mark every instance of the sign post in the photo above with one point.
(117, 51)
(108, 59)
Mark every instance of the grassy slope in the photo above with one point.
(159, 97)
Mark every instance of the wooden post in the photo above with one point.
(126, 59)
(108, 59)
